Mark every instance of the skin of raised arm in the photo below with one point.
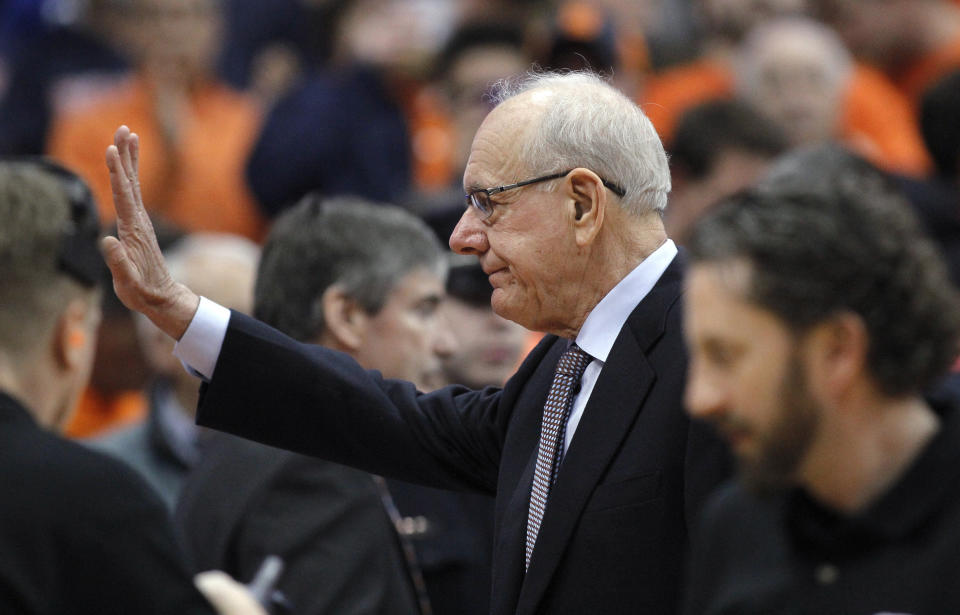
(140, 276)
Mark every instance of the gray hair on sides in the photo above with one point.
(588, 123)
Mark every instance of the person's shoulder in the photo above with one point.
(121, 440)
(63, 475)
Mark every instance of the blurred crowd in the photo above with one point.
(244, 107)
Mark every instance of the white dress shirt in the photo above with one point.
(200, 345)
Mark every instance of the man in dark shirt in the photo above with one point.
(816, 315)
(79, 533)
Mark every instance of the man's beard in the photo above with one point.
(782, 449)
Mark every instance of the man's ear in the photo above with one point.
(346, 320)
(71, 335)
(838, 352)
(589, 197)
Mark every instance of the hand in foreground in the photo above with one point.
(140, 277)
(226, 595)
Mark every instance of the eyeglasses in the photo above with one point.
(480, 199)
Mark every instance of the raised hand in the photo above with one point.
(140, 276)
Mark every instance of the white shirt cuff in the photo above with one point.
(199, 347)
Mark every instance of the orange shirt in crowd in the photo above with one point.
(877, 119)
(668, 94)
(432, 140)
(97, 413)
(200, 185)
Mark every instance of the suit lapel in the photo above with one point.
(508, 574)
(616, 401)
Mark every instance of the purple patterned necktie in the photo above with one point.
(553, 427)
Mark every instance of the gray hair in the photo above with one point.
(360, 246)
(838, 62)
(589, 123)
(219, 266)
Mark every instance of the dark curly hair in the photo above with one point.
(826, 232)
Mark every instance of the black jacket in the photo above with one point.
(614, 535)
(82, 533)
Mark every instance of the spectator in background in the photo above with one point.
(79, 533)
(477, 55)
(667, 94)
(71, 57)
(913, 41)
(199, 132)
(164, 445)
(817, 315)
(720, 147)
(937, 200)
(870, 112)
(940, 123)
(452, 532)
(797, 72)
(114, 397)
(367, 281)
(350, 118)
(489, 347)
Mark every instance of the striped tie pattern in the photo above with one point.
(553, 427)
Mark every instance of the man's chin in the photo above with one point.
(505, 308)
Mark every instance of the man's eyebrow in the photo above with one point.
(473, 187)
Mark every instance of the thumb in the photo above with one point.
(125, 275)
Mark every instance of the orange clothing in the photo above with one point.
(879, 122)
(876, 119)
(97, 413)
(925, 71)
(200, 185)
(667, 95)
(432, 140)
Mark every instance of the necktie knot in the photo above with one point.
(573, 362)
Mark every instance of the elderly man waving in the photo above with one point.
(596, 469)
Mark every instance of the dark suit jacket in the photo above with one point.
(245, 501)
(81, 533)
(615, 530)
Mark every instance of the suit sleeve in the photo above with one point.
(339, 548)
(309, 399)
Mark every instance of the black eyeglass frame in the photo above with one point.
(485, 206)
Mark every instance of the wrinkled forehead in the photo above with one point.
(496, 153)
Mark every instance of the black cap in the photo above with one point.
(466, 280)
(79, 253)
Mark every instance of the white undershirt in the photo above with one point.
(200, 345)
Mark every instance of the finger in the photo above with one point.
(124, 148)
(226, 595)
(123, 200)
(125, 275)
(135, 155)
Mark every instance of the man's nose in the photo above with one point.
(444, 341)
(703, 397)
(469, 236)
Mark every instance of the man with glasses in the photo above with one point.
(597, 471)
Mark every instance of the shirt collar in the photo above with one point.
(604, 322)
(915, 497)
